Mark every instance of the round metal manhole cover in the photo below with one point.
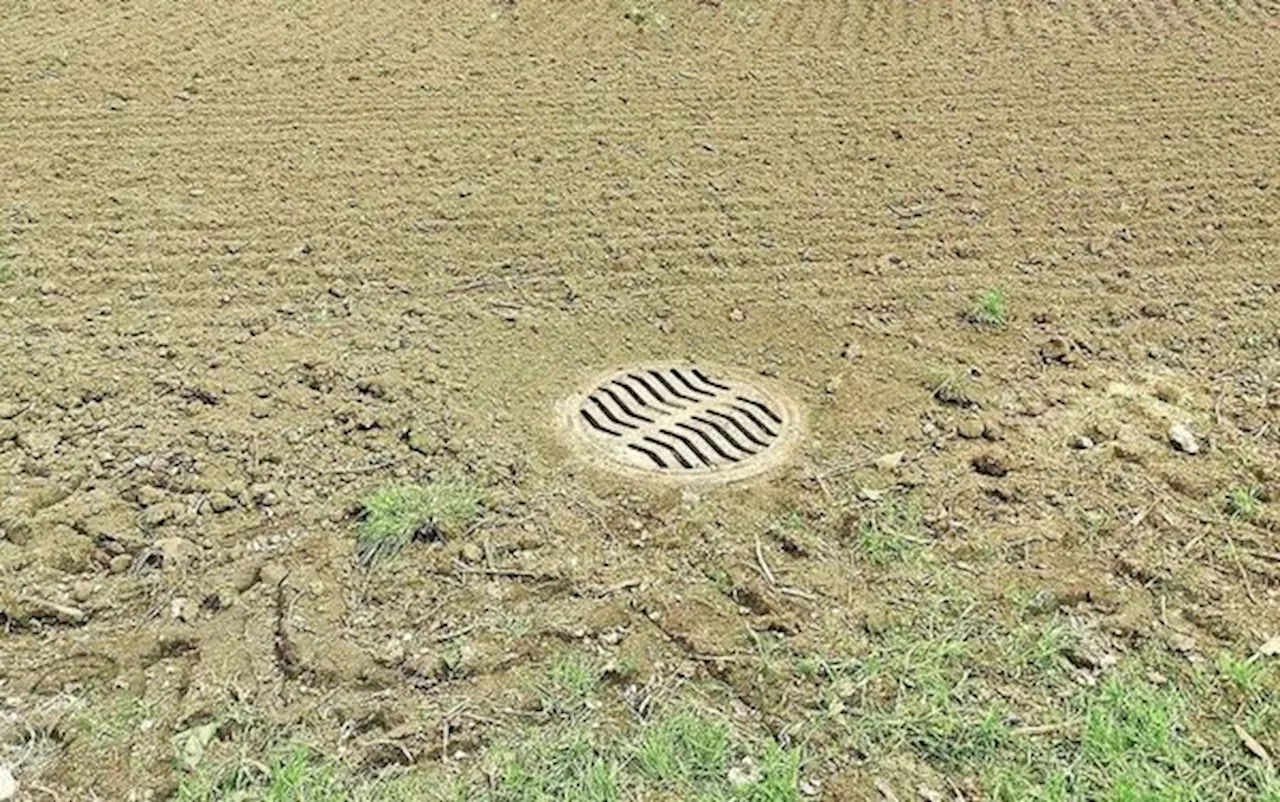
(682, 422)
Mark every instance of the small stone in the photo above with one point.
(1055, 349)
(969, 428)
(149, 496)
(1184, 644)
(833, 385)
(993, 430)
(1081, 441)
(120, 563)
(245, 577)
(220, 502)
(878, 622)
(424, 440)
(272, 574)
(8, 785)
(472, 553)
(264, 494)
(1271, 648)
(81, 591)
(868, 494)
(992, 463)
(1169, 393)
(737, 315)
(17, 531)
(159, 515)
(372, 388)
(1184, 439)
(890, 462)
(530, 541)
(221, 599)
(1089, 656)
(1105, 430)
(1131, 452)
(181, 609)
(176, 552)
(392, 653)
(744, 774)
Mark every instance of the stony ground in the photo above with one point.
(1016, 263)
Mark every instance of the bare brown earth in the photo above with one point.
(259, 259)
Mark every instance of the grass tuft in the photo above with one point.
(684, 751)
(954, 388)
(889, 532)
(393, 516)
(573, 679)
(990, 310)
(294, 775)
(646, 15)
(1244, 503)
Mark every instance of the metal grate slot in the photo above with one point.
(677, 420)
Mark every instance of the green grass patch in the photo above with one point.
(115, 723)
(972, 699)
(394, 516)
(1137, 740)
(990, 310)
(572, 679)
(294, 775)
(686, 756)
(890, 532)
(1244, 503)
(685, 751)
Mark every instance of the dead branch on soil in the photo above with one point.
(767, 573)
(764, 566)
(63, 612)
(609, 590)
(457, 633)
(509, 573)
(353, 469)
(1046, 729)
(1244, 574)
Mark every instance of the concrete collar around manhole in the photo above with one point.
(681, 422)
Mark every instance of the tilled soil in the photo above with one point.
(259, 259)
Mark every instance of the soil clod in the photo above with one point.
(992, 463)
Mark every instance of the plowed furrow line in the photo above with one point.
(263, 120)
(1224, 279)
(121, 259)
(566, 27)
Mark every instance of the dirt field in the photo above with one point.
(1017, 264)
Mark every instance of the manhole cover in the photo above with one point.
(682, 421)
